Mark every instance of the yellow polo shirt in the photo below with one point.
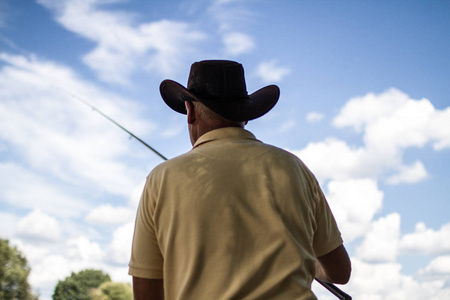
(233, 218)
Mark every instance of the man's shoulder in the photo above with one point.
(282, 153)
(176, 162)
(285, 158)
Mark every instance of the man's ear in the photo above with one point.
(190, 109)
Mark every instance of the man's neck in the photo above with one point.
(197, 131)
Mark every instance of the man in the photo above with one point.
(233, 218)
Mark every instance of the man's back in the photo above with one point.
(233, 219)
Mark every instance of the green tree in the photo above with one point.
(112, 291)
(78, 285)
(14, 271)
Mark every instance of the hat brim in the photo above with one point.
(256, 105)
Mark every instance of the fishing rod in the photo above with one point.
(340, 294)
(329, 286)
(117, 124)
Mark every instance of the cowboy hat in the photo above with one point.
(220, 85)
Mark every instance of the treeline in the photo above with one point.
(91, 285)
(87, 284)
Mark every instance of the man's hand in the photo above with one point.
(334, 267)
(148, 289)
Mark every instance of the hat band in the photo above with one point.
(225, 96)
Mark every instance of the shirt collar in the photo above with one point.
(224, 133)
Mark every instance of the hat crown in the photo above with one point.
(214, 79)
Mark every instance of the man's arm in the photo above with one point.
(334, 267)
(148, 289)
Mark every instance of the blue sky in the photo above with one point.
(364, 102)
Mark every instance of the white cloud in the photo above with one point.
(426, 241)
(8, 224)
(135, 195)
(314, 117)
(409, 174)
(123, 47)
(11, 44)
(34, 252)
(393, 121)
(380, 243)
(229, 14)
(377, 275)
(119, 273)
(384, 281)
(356, 162)
(51, 264)
(439, 129)
(170, 43)
(25, 189)
(237, 43)
(374, 281)
(109, 215)
(57, 135)
(48, 271)
(439, 267)
(40, 226)
(270, 71)
(84, 252)
(119, 250)
(288, 125)
(335, 159)
(390, 123)
(354, 203)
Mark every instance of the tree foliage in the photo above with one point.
(79, 285)
(112, 291)
(14, 271)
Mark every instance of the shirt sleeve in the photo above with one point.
(146, 257)
(327, 236)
